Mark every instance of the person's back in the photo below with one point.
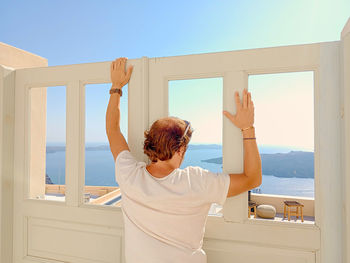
(165, 217)
(165, 208)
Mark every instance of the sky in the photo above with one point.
(284, 109)
(73, 32)
(204, 113)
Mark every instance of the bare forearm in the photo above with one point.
(119, 78)
(252, 160)
(113, 113)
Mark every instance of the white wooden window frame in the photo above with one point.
(148, 101)
(235, 67)
(27, 211)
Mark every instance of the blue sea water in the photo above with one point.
(99, 170)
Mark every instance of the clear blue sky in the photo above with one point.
(71, 32)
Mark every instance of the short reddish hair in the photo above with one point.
(165, 138)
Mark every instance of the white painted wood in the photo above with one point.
(138, 108)
(329, 194)
(345, 124)
(232, 237)
(73, 142)
(73, 242)
(37, 141)
(7, 116)
(272, 234)
(317, 139)
(1, 147)
(223, 251)
(12, 58)
(19, 169)
(73, 211)
(235, 209)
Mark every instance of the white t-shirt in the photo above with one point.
(165, 217)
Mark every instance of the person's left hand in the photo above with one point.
(118, 75)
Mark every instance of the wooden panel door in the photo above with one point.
(68, 231)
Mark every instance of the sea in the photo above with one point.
(100, 170)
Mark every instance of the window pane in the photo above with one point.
(47, 143)
(100, 183)
(199, 101)
(284, 121)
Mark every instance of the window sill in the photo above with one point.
(309, 221)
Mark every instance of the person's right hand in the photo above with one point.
(244, 117)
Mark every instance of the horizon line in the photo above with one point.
(195, 143)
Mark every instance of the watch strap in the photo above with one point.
(111, 91)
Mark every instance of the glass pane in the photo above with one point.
(199, 101)
(47, 143)
(100, 184)
(284, 121)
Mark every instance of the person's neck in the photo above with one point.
(161, 168)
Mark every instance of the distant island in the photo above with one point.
(297, 164)
(53, 149)
(105, 147)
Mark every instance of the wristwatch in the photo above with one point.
(111, 91)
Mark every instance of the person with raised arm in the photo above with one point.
(164, 207)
